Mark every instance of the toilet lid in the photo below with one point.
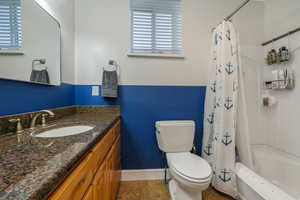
(189, 165)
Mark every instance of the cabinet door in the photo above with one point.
(116, 176)
(117, 129)
(89, 194)
(103, 147)
(109, 176)
(76, 185)
(99, 183)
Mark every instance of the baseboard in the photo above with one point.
(145, 174)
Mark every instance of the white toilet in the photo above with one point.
(190, 173)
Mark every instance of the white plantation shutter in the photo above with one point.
(156, 26)
(10, 25)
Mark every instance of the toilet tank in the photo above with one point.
(175, 136)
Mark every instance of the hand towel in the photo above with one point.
(110, 84)
(40, 76)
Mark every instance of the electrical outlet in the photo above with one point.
(95, 90)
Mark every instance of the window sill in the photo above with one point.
(156, 55)
(13, 52)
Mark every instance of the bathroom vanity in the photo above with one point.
(84, 166)
(98, 174)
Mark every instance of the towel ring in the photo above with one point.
(40, 61)
(115, 64)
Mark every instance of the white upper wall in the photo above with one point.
(281, 16)
(103, 33)
(64, 11)
(281, 124)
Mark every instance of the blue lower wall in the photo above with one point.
(141, 106)
(19, 97)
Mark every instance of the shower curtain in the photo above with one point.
(221, 109)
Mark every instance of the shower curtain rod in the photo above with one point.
(281, 36)
(234, 12)
(237, 10)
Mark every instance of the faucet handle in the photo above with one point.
(44, 116)
(19, 127)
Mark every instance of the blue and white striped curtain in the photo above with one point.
(221, 109)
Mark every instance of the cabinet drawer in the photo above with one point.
(75, 186)
(102, 148)
(117, 129)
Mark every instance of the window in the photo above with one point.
(156, 26)
(10, 25)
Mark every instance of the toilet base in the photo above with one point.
(179, 193)
(172, 189)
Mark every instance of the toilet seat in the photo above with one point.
(190, 167)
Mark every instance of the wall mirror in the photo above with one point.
(29, 43)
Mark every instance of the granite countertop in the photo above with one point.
(30, 168)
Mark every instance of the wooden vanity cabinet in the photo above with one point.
(97, 177)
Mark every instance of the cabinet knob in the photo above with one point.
(81, 182)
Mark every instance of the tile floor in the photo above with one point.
(156, 190)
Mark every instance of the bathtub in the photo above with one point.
(276, 176)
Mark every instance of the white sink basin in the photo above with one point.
(64, 131)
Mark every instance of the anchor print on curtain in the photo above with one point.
(221, 109)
